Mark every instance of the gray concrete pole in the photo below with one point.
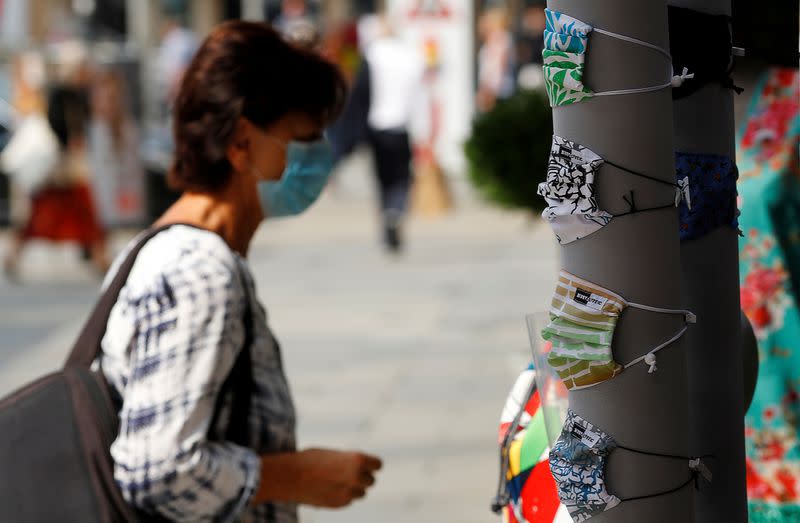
(704, 123)
(637, 256)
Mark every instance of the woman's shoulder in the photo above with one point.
(181, 254)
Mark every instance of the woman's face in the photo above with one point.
(267, 146)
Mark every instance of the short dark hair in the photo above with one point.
(244, 69)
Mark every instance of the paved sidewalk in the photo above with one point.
(408, 357)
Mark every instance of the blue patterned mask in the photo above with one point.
(308, 168)
(712, 181)
(578, 462)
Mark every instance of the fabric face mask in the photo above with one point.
(713, 60)
(308, 168)
(583, 316)
(712, 179)
(570, 191)
(578, 461)
(566, 40)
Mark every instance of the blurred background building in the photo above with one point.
(145, 43)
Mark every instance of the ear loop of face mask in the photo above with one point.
(502, 498)
(274, 139)
(681, 192)
(649, 357)
(675, 80)
(696, 469)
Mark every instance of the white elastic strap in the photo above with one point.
(688, 315)
(634, 41)
(650, 357)
(675, 81)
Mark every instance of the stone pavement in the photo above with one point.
(407, 357)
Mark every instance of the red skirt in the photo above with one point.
(64, 214)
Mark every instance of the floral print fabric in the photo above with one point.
(577, 462)
(565, 24)
(563, 77)
(564, 33)
(565, 40)
(769, 253)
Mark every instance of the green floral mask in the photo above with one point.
(566, 40)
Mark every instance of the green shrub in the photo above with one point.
(508, 150)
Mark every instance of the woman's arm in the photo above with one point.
(319, 477)
(188, 331)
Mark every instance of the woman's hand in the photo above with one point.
(318, 477)
(334, 479)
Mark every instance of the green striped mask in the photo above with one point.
(583, 316)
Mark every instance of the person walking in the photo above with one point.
(248, 123)
(113, 152)
(395, 79)
(495, 59)
(61, 206)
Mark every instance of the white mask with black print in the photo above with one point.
(578, 463)
(571, 194)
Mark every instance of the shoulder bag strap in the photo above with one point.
(87, 347)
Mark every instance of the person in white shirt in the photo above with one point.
(395, 78)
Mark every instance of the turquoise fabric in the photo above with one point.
(769, 189)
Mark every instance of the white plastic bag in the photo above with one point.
(32, 153)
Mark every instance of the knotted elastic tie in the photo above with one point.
(650, 359)
(678, 79)
(696, 469)
(728, 83)
(696, 465)
(683, 192)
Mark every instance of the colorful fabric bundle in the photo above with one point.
(527, 492)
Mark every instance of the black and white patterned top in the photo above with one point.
(172, 339)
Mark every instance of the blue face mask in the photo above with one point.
(308, 167)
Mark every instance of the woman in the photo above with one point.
(113, 143)
(61, 204)
(495, 59)
(179, 326)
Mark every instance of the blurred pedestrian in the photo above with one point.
(178, 45)
(61, 203)
(32, 152)
(292, 12)
(529, 47)
(248, 146)
(351, 128)
(116, 172)
(495, 59)
(395, 73)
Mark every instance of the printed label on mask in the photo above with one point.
(589, 299)
(577, 157)
(590, 439)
